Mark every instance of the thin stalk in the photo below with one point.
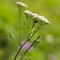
(24, 44)
(20, 12)
(30, 33)
(19, 50)
(29, 47)
(33, 34)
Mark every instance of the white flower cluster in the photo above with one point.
(21, 4)
(41, 18)
(33, 15)
(37, 17)
(27, 12)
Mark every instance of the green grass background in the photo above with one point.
(9, 24)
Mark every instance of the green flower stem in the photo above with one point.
(24, 44)
(30, 33)
(29, 47)
(20, 12)
(19, 50)
(30, 36)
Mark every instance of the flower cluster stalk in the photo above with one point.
(24, 44)
(29, 47)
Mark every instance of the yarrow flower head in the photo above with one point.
(44, 19)
(21, 4)
(37, 17)
(29, 13)
(40, 18)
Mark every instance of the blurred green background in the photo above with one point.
(49, 46)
